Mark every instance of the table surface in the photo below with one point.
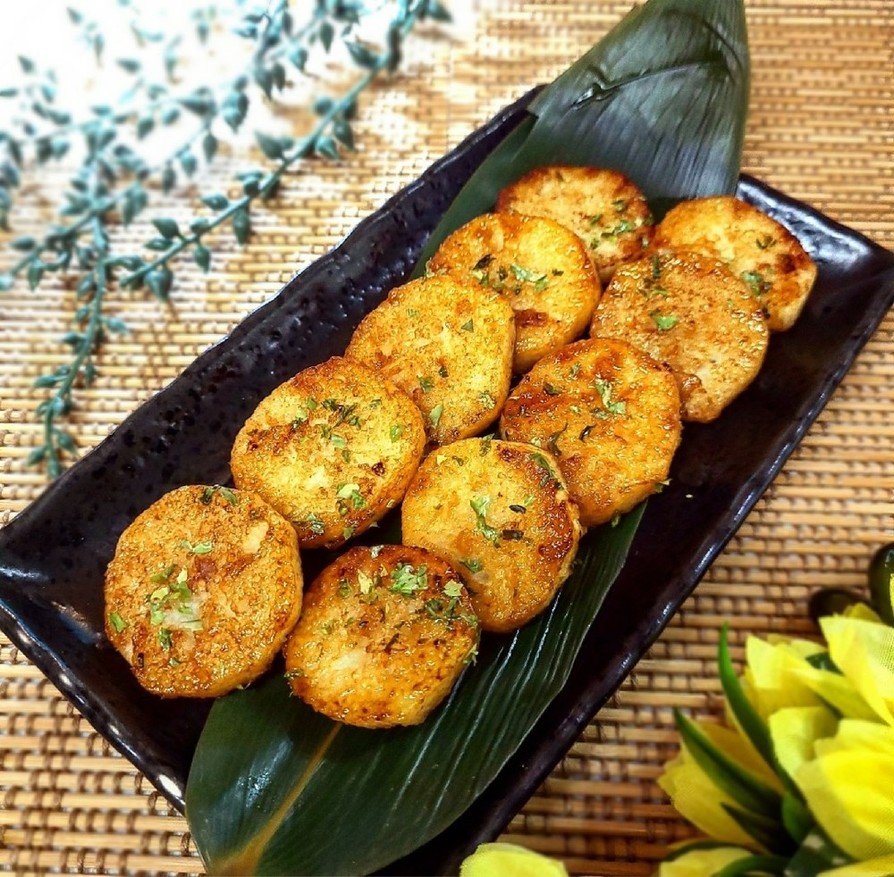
(821, 127)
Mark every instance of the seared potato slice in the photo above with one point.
(604, 208)
(384, 635)
(693, 313)
(332, 449)
(448, 345)
(539, 266)
(609, 413)
(203, 589)
(765, 254)
(500, 512)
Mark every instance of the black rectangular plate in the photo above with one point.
(53, 555)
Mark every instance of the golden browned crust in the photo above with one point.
(693, 313)
(448, 345)
(332, 449)
(540, 267)
(756, 248)
(611, 416)
(204, 587)
(384, 635)
(603, 207)
(500, 512)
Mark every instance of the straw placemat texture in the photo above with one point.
(821, 128)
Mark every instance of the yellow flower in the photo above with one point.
(779, 675)
(509, 860)
(702, 862)
(864, 652)
(696, 796)
(847, 788)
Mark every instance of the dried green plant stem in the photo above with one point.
(111, 185)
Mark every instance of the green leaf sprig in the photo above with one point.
(118, 172)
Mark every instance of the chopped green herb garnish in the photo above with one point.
(486, 399)
(163, 575)
(396, 432)
(480, 505)
(351, 492)
(765, 241)
(551, 390)
(524, 275)
(225, 492)
(412, 312)
(344, 588)
(620, 205)
(468, 326)
(453, 589)
(544, 464)
(316, 524)
(338, 441)
(472, 565)
(198, 548)
(664, 322)
(595, 219)
(435, 414)
(757, 283)
(605, 390)
(117, 622)
(347, 532)
(164, 638)
(425, 383)
(573, 371)
(407, 580)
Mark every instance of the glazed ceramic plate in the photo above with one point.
(53, 555)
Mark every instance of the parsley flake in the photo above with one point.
(425, 382)
(198, 548)
(664, 322)
(468, 326)
(117, 622)
(471, 564)
(407, 580)
(435, 415)
(480, 506)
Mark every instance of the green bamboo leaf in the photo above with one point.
(267, 767)
(662, 98)
(746, 715)
(611, 109)
(729, 776)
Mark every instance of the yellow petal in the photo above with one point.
(701, 863)
(734, 745)
(697, 799)
(860, 736)
(795, 730)
(509, 860)
(864, 652)
(849, 794)
(883, 867)
(771, 674)
(862, 612)
(837, 691)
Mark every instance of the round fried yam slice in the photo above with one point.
(758, 249)
(448, 345)
(539, 266)
(610, 415)
(693, 313)
(603, 207)
(203, 589)
(332, 449)
(500, 512)
(384, 635)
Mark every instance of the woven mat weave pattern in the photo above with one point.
(821, 128)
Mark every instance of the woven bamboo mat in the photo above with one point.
(821, 128)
